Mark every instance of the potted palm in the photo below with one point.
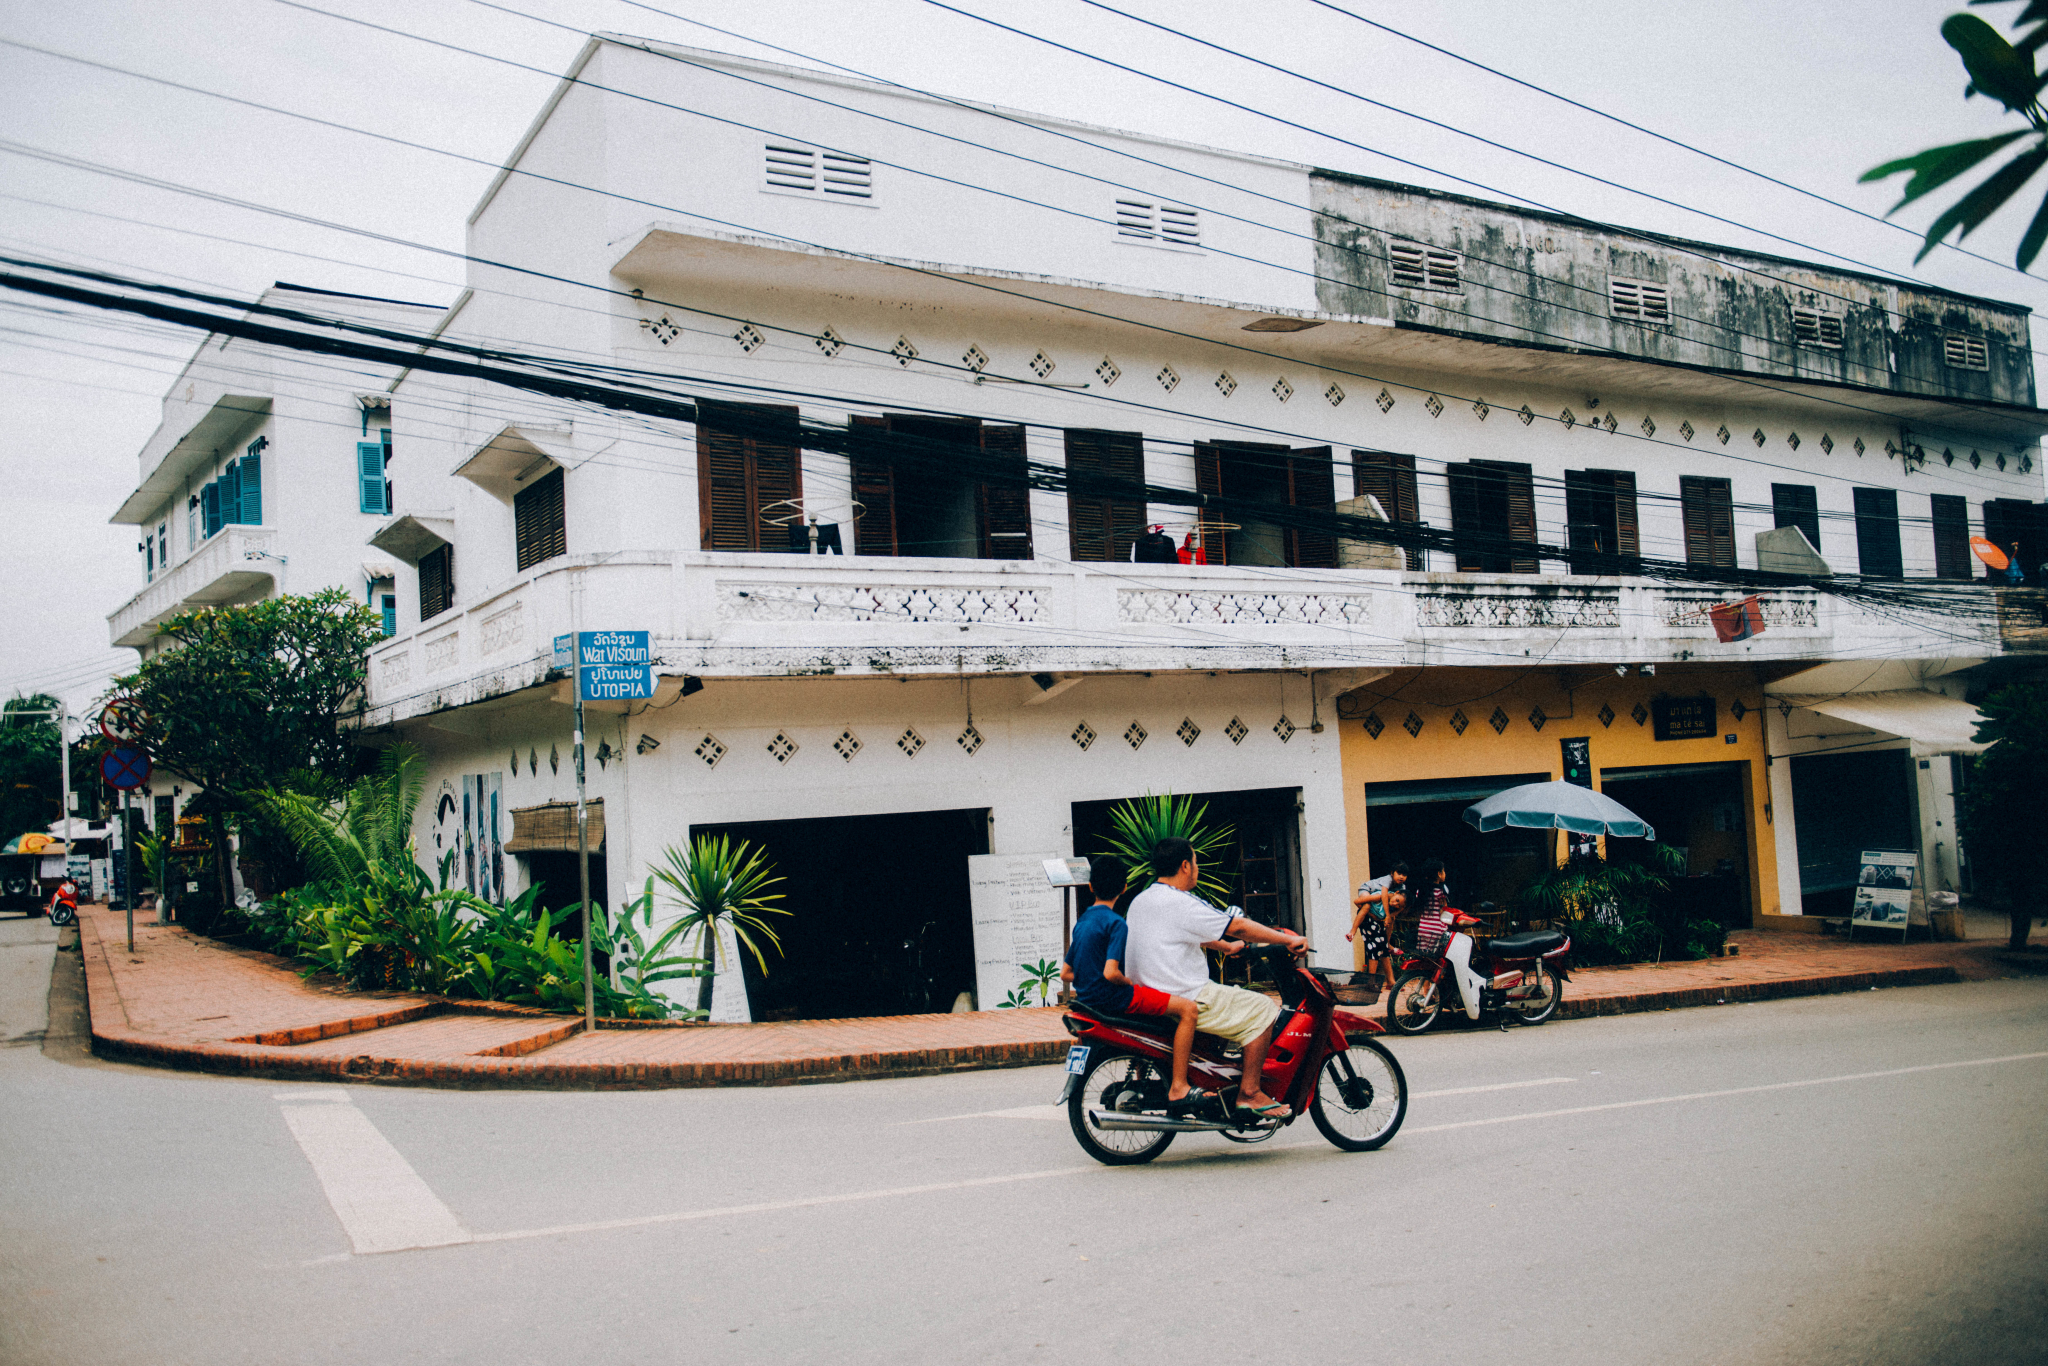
(1140, 823)
(716, 882)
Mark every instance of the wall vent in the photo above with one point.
(1414, 266)
(1811, 327)
(1167, 224)
(808, 170)
(1965, 353)
(1639, 301)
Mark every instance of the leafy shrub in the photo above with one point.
(1620, 912)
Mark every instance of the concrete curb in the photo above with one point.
(1780, 989)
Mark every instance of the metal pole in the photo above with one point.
(583, 853)
(64, 750)
(127, 865)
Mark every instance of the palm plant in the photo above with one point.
(371, 832)
(717, 881)
(1139, 824)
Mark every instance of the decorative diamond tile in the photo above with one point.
(554, 759)
(1083, 735)
(1649, 427)
(2001, 462)
(1640, 714)
(1609, 423)
(1792, 440)
(1236, 730)
(1188, 731)
(1134, 735)
(903, 351)
(1499, 720)
(1537, 718)
(710, 749)
(1335, 393)
(532, 762)
(975, 359)
(1721, 434)
(1526, 415)
(1857, 445)
(664, 329)
(830, 342)
(1685, 429)
(1226, 383)
(848, 744)
(1480, 409)
(1413, 725)
(1606, 715)
(1042, 364)
(1568, 418)
(1459, 722)
(2027, 463)
(1827, 444)
(1386, 401)
(1282, 390)
(605, 754)
(1758, 437)
(969, 740)
(910, 742)
(1435, 405)
(1948, 455)
(1373, 724)
(1107, 372)
(1976, 460)
(515, 763)
(781, 747)
(1168, 379)
(750, 339)
(1284, 728)
(1737, 710)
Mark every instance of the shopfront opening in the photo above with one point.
(1414, 822)
(1701, 810)
(1262, 867)
(1834, 832)
(879, 919)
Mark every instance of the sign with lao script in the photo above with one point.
(614, 666)
(1684, 718)
(1019, 921)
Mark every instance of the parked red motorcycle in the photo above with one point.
(64, 903)
(1323, 1060)
(1514, 976)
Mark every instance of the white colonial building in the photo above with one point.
(983, 350)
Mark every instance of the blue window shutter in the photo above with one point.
(231, 493)
(209, 507)
(390, 614)
(370, 475)
(252, 489)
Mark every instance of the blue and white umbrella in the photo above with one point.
(1557, 806)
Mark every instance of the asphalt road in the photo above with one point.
(1843, 1179)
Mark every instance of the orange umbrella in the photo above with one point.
(1988, 552)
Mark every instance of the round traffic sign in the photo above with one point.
(125, 767)
(121, 720)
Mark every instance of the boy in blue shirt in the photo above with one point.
(1094, 967)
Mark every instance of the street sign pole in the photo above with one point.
(583, 855)
(127, 865)
(610, 666)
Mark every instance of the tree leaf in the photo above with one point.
(1996, 67)
(1980, 203)
(1937, 166)
(2037, 232)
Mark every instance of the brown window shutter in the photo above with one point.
(437, 582)
(874, 488)
(1468, 530)
(1390, 477)
(1209, 483)
(1005, 504)
(1101, 526)
(747, 459)
(539, 527)
(1311, 486)
(1709, 510)
(1951, 517)
(1521, 509)
(1628, 540)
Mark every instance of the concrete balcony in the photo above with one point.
(726, 615)
(219, 571)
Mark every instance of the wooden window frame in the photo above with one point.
(1390, 477)
(540, 519)
(748, 460)
(437, 581)
(1879, 554)
(1593, 499)
(1949, 513)
(1707, 508)
(1103, 521)
(1797, 505)
(1485, 544)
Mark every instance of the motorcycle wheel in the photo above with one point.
(1406, 1013)
(1540, 1007)
(62, 915)
(1117, 1081)
(1361, 1097)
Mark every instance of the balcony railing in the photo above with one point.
(219, 571)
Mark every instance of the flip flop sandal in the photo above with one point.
(1188, 1104)
(1272, 1110)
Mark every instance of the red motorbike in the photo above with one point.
(1323, 1060)
(1510, 977)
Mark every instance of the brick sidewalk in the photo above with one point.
(185, 1001)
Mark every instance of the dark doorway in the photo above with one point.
(1417, 821)
(1272, 476)
(1262, 868)
(1843, 804)
(917, 501)
(1700, 809)
(556, 868)
(879, 919)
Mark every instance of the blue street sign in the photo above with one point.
(126, 766)
(614, 647)
(565, 652)
(614, 666)
(617, 682)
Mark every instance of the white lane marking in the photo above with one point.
(772, 1206)
(1501, 1086)
(1731, 1091)
(1052, 1112)
(381, 1201)
(334, 1093)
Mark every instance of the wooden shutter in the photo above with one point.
(389, 613)
(1004, 504)
(251, 513)
(1469, 531)
(1877, 534)
(370, 476)
(209, 508)
(1312, 487)
(1390, 477)
(437, 582)
(1628, 535)
(1209, 484)
(1601, 526)
(748, 460)
(538, 520)
(874, 487)
(1797, 505)
(1708, 506)
(1103, 521)
(1520, 488)
(1951, 517)
(231, 494)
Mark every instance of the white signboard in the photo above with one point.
(1884, 889)
(1018, 923)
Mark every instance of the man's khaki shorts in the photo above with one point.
(1233, 1013)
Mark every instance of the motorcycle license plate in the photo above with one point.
(1077, 1059)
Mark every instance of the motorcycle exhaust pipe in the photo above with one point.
(1107, 1119)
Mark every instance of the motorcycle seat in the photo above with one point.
(1528, 944)
(1145, 1024)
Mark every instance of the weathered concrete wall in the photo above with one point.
(1542, 280)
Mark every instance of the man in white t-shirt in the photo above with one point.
(1168, 929)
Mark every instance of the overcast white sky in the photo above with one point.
(1811, 94)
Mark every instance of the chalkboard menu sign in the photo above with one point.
(1683, 718)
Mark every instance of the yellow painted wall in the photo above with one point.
(1571, 700)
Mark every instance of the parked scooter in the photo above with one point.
(1323, 1060)
(64, 903)
(1510, 977)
